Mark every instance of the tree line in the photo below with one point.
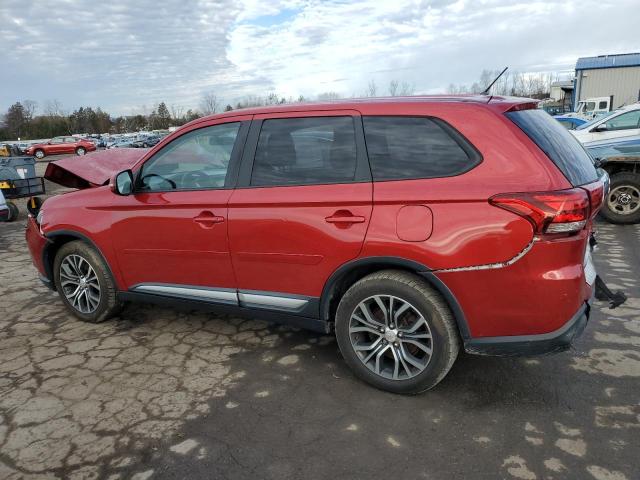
(24, 120)
(516, 84)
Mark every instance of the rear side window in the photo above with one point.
(559, 145)
(416, 147)
(305, 151)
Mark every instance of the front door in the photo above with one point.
(301, 208)
(171, 234)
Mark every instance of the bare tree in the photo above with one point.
(53, 108)
(393, 87)
(209, 103)
(372, 89)
(328, 96)
(30, 107)
(407, 89)
(177, 112)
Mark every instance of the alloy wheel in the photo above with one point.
(624, 200)
(391, 337)
(81, 151)
(80, 284)
(39, 154)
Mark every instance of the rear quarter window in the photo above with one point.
(558, 144)
(416, 147)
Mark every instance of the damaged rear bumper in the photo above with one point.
(525, 345)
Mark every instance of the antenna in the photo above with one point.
(486, 90)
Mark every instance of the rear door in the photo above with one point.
(70, 145)
(301, 207)
(56, 145)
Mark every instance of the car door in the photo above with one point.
(170, 236)
(55, 146)
(301, 208)
(69, 145)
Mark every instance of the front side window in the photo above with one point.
(305, 151)
(602, 106)
(415, 147)
(70, 140)
(625, 121)
(196, 160)
(57, 140)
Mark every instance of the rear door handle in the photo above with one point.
(208, 219)
(344, 217)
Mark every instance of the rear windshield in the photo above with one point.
(559, 145)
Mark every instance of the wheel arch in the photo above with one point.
(614, 167)
(350, 272)
(57, 239)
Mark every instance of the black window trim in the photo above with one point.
(232, 169)
(474, 155)
(362, 173)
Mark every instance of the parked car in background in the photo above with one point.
(614, 140)
(123, 143)
(570, 123)
(411, 228)
(60, 145)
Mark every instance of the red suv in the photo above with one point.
(411, 227)
(60, 145)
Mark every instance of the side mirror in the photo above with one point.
(600, 128)
(122, 183)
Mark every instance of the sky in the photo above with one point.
(126, 56)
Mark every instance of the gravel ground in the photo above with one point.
(159, 393)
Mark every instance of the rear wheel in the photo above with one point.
(396, 332)
(84, 283)
(622, 205)
(80, 151)
(39, 153)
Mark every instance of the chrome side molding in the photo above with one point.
(200, 293)
(276, 302)
(242, 298)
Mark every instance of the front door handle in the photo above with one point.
(344, 217)
(208, 219)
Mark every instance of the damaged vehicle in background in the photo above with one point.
(412, 228)
(614, 141)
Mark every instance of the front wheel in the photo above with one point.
(396, 332)
(39, 154)
(84, 283)
(622, 205)
(80, 151)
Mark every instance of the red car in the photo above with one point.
(411, 227)
(59, 145)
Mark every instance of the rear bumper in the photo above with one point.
(525, 345)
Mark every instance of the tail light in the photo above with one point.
(562, 211)
(596, 191)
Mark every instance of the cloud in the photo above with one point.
(123, 55)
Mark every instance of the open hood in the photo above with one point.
(94, 169)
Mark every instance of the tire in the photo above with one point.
(13, 212)
(80, 151)
(79, 254)
(424, 301)
(39, 154)
(625, 187)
